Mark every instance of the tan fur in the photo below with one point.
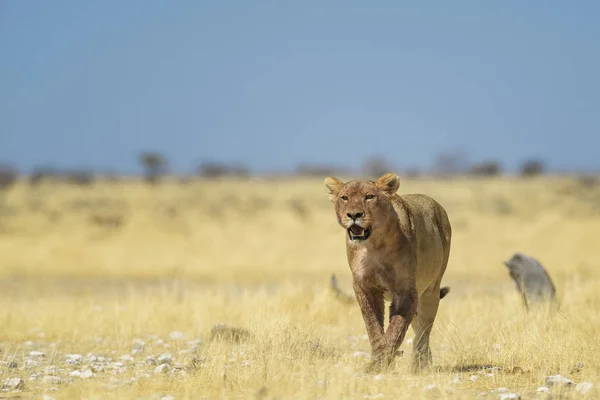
(403, 260)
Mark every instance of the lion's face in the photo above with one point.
(362, 206)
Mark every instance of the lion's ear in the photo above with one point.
(388, 183)
(334, 186)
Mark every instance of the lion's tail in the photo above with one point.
(444, 291)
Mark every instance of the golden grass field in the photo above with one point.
(120, 272)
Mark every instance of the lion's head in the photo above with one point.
(363, 206)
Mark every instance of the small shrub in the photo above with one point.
(486, 168)
(8, 177)
(532, 168)
(79, 178)
(41, 174)
(450, 163)
(216, 170)
(377, 166)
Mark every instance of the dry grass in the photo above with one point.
(89, 270)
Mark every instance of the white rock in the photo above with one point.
(473, 378)
(74, 359)
(28, 343)
(558, 380)
(456, 379)
(409, 340)
(161, 369)
(430, 387)
(33, 377)
(51, 370)
(194, 344)
(31, 363)
(13, 384)
(379, 377)
(543, 389)
(584, 387)
(361, 354)
(85, 374)
(176, 335)
(500, 390)
(36, 353)
(246, 363)
(127, 358)
(150, 360)
(510, 396)
(52, 380)
(165, 359)
(97, 368)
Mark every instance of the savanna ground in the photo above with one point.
(97, 283)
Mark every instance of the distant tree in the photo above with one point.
(532, 167)
(212, 169)
(375, 166)
(42, 173)
(486, 168)
(154, 164)
(317, 170)
(450, 163)
(412, 173)
(8, 176)
(79, 178)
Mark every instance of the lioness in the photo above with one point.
(397, 248)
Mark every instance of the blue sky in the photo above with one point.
(273, 84)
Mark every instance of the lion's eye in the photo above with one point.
(345, 198)
(369, 196)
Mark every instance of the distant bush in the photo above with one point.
(412, 173)
(486, 168)
(317, 170)
(450, 163)
(532, 168)
(40, 174)
(216, 170)
(8, 176)
(80, 178)
(376, 166)
(50, 174)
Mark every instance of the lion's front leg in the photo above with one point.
(402, 311)
(371, 306)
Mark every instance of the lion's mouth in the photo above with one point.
(357, 232)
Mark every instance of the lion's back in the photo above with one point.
(426, 223)
(428, 215)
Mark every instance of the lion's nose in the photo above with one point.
(355, 215)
